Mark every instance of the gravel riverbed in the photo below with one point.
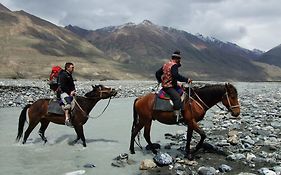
(249, 145)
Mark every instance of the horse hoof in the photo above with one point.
(189, 157)
(132, 152)
(153, 146)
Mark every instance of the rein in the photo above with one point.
(94, 98)
(102, 111)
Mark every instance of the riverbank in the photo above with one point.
(252, 143)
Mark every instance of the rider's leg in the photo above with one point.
(67, 107)
(175, 97)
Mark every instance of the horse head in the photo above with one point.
(230, 100)
(102, 92)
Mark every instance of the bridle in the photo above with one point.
(100, 93)
(230, 107)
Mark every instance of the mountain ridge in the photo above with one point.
(30, 45)
(149, 45)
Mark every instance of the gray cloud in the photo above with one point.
(250, 24)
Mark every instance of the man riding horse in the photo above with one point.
(168, 76)
(66, 90)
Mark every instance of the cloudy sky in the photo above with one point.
(248, 23)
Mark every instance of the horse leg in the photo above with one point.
(31, 126)
(202, 137)
(146, 135)
(188, 140)
(80, 134)
(135, 130)
(41, 132)
(76, 140)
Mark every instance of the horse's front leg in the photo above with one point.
(188, 140)
(80, 134)
(202, 136)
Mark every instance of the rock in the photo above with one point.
(250, 156)
(163, 159)
(266, 171)
(224, 168)
(206, 171)
(147, 164)
(233, 140)
(89, 165)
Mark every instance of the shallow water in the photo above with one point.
(109, 135)
(106, 137)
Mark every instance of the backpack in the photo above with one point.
(53, 80)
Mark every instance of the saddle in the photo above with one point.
(54, 107)
(163, 101)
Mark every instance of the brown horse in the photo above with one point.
(37, 112)
(201, 99)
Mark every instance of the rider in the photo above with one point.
(168, 76)
(66, 89)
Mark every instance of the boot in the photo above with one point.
(67, 119)
(178, 115)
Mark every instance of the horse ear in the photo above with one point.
(226, 85)
(93, 86)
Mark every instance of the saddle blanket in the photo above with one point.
(162, 104)
(55, 108)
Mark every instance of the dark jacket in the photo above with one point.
(175, 75)
(65, 82)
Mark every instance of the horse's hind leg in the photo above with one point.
(188, 140)
(76, 140)
(41, 132)
(134, 133)
(31, 126)
(146, 134)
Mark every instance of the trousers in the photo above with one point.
(175, 97)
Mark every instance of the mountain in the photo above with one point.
(29, 46)
(272, 57)
(144, 47)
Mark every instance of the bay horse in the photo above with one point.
(195, 107)
(37, 112)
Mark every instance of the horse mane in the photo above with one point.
(208, 91)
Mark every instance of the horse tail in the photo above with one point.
(135, 121)
(135, 115)
(22, 120)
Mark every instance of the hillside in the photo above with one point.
(150, 45)
(272, 57)
(30, 45)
